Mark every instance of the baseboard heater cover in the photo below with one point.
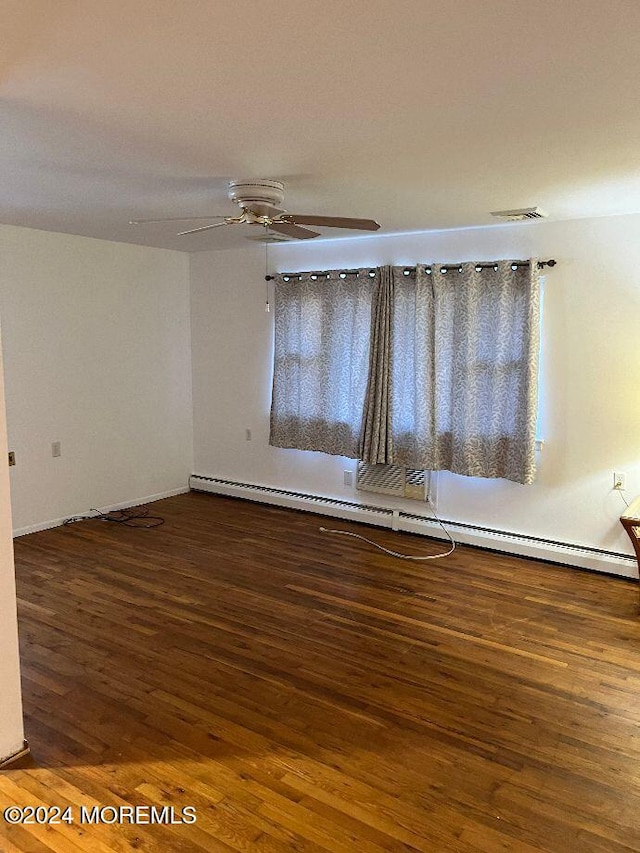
(351, 511)
(579, 556)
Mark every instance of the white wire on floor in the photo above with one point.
(396, 553)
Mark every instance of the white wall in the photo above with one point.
(590, 406)
(97, 356)
(11, 731)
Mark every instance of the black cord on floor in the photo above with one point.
(131, 517)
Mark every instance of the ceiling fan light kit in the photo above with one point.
(259, 202)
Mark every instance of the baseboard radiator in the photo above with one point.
(583, 557)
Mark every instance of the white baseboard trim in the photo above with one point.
(57, 522)
(583, 557)
(22, 752)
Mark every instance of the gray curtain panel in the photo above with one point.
(321, 361)
(376, 441)
(413, 368)
(465, 369)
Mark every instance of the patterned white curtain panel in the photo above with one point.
(321, 361)
(465, 369)
(432, 368)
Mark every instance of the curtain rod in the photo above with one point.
(343, 273)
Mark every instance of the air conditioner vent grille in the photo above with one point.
(392, 480)
(384, 479)
(414, 477)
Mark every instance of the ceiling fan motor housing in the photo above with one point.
(256, 193)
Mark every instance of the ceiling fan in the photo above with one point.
(259, 202)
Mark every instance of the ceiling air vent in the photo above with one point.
(519, 215)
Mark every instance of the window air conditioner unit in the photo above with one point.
(393, 480)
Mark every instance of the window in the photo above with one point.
(321, 361)
(442, 361)
(465, 368)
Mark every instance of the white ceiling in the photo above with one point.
(423, 114)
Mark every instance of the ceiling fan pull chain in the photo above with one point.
(267, 306)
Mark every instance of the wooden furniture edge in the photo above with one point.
(632, 512)
(630, 520)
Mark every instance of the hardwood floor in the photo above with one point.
(307, 693)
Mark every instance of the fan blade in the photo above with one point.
(203, 228)
(264, 210)
(334, 222)
(177, 219)
(291, 230)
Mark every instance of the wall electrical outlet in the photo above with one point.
(12, 458)
(619, 481)
(247, 435)
(56, 450)
(348, 478)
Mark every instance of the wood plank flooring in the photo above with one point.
(308, 693)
